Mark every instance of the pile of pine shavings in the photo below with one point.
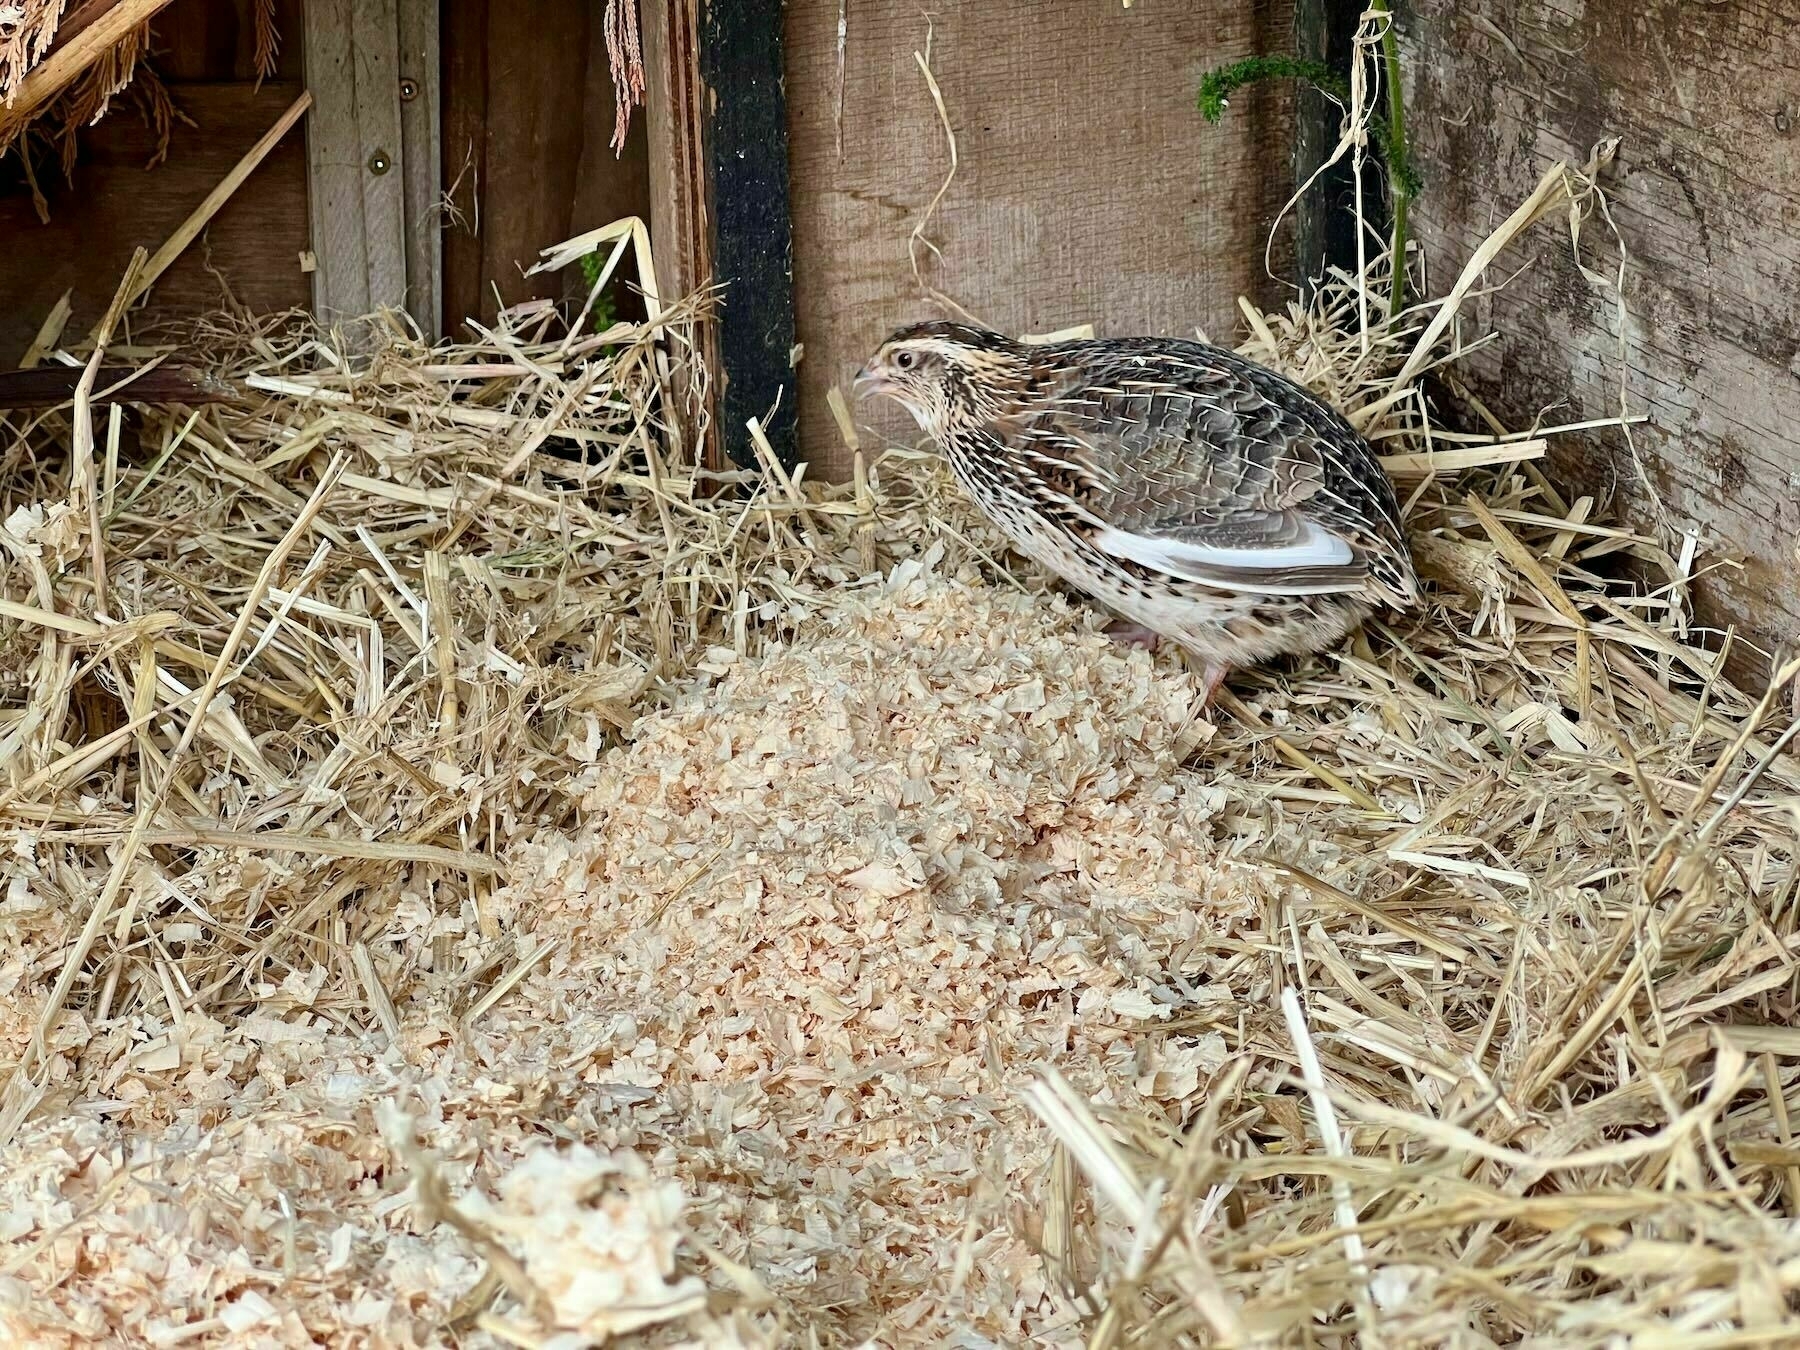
(820, 922)
(274, 1230)
(837, 911)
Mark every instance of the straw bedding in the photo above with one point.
(600, 906)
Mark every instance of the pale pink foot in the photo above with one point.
(1132, 634)
(1214, 675)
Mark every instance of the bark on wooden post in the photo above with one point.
(717, 121)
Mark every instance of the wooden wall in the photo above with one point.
(1089, 189)
(1706, 192)
(528, 114)
(205, 51)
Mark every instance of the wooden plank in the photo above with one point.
(673, 117)
(216, 40)
(609, 185)
(252, 245)
(421, 162)
(333, 147)
(745, 138)
(1089, 189)
(376, 49)
(1703, 190)
(536, 87)
(53, 386)
(80, 15)
(717, 115)
(202, 215)
(353, 143)
(680, 234)
(463, 43)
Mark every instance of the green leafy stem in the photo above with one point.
(1389, 136)
(605, 312)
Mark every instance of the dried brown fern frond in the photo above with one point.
(268, 39)
(57, 127)
(89, 98)
(625, 55)
(27, 28)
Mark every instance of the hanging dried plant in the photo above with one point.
(625, 54)
(88, 99)
(56, 128)
(268, 39)
(27, 28)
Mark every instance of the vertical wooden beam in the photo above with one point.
(1325, 30)
(717, 122)
(463, 96)
(680, 236)
(421, 162)
(353, 139)
(753, 247)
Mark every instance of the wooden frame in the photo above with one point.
(717, 124)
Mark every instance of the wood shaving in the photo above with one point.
(609, 903)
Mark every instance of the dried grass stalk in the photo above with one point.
(918, 967)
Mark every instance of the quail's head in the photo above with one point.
(940, 372)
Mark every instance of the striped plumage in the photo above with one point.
(1204, 497)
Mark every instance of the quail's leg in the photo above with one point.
(1214, 675)
(1132, 634)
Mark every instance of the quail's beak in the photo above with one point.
(867, 382)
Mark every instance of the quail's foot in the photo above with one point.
(1213, 676)
(1130, 634)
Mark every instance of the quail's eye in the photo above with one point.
(906, 360)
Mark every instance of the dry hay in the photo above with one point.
(597, 902)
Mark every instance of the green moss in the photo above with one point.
(1219, 85)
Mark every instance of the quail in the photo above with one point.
(1203, 498)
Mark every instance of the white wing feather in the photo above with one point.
(1316, 547)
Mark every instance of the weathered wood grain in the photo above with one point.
(1090, 189)
(1706, 194)
(357, 194)
(376, 51)
(679, 205)
(674, 115)
(421, 161)
(252, 246)
(527, 117)
(216, 40)
(462, 58)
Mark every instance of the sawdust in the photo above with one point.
(600, 905)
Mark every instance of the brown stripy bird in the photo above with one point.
(1204, 498)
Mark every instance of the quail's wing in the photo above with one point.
(1195, 463)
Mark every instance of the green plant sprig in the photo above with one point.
(1389, 137)
(605, 314)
